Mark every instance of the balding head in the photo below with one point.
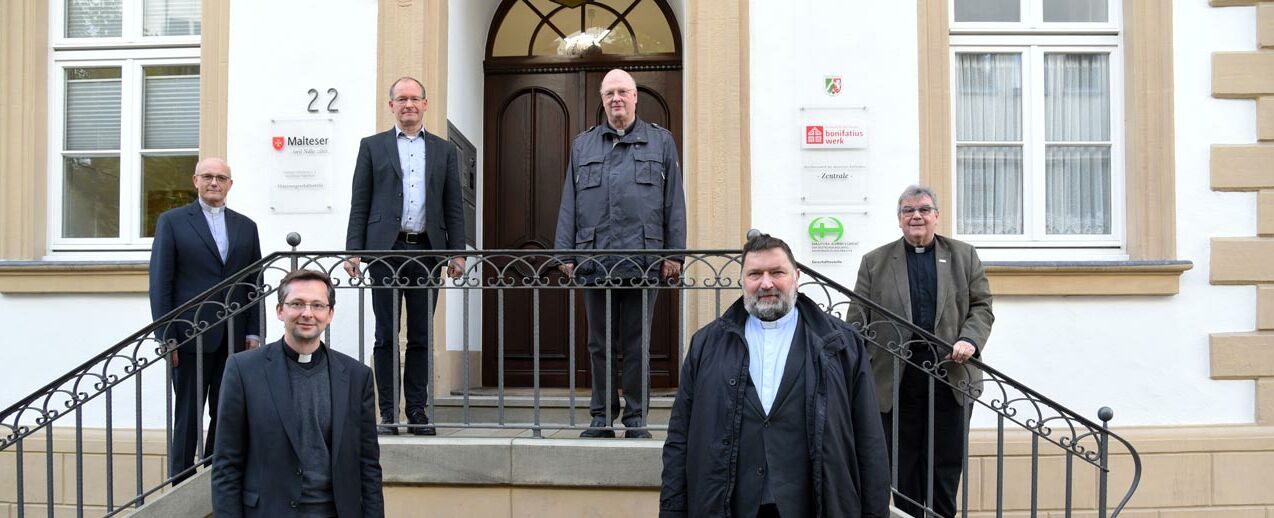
(619, 98)
(212, 181)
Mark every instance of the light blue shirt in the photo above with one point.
(216, 217)
(768, 345)
(411, 156)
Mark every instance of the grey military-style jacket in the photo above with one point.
(622, 193)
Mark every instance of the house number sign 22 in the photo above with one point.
(331, 102)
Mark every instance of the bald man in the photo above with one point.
(196, 247)
(622, 192)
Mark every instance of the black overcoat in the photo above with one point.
(849, 466)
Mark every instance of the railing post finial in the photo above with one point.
(752, 232)
(1103, 451)
(293, 240)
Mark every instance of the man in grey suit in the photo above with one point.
(298, 430)
(195, 248)
(406, 197)
(939, 284)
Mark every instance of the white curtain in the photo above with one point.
(171, 18)
(1077, 143)
(988, 108)
(93, 18)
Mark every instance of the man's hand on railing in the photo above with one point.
(251, 343)
(568, 269)
(961, 351)
(351, 266)
(671, 270)
(174, 359)
(455, 267)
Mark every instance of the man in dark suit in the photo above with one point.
(939, 284)
(298, 430)
(406, 197)
(196, 247)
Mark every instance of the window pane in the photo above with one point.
(1078, 189)
(166, 184)
(171, 118)
(988, 11)
(94, 18)
(1077, 97)
(90, 197)
(988, 97)
(654, 35)
(989, 189)
(92, 108)
(515, 31)
(170, 18)
(1075, 11)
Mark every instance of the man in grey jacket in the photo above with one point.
(622, 192)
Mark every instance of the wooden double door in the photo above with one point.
(530, 121)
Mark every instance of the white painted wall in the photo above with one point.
(278, 51)
(467, 26)
(1146, 357)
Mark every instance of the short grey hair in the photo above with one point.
(407, 78)
(916, 191)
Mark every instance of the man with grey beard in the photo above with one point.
(776, 412)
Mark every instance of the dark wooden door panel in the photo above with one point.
(530, 121)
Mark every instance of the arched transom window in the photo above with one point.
(583, 28)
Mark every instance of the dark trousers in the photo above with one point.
(409, 275)
(189, 394)
(626, 328)
(950, 420)
(768, 511)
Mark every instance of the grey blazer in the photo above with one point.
(963, 309)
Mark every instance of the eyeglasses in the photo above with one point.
(210, 178)
(405, 100)
(621, 92)
(317, 307)
(924, 211)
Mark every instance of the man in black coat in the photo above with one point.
(406, 197)
(196, 247)
(776, 412)
(298, 429)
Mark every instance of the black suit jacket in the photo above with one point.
(184, 263)
(376, 207)
(256, 463)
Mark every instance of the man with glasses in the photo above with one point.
(939, 284)
(298, 429)
(195, 248)
(406, 197)
(622, 191)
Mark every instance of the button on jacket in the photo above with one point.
(622, 193)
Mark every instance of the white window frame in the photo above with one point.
(131, 53)
(1033, 39)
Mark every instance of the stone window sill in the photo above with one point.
(74, 276)
(1101, 278)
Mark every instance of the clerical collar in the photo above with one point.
(779, 322)
(622, 131)
(918, 249)
(303, 358)
(209, 208)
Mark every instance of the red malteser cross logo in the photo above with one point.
(813, 134)
(278, 143)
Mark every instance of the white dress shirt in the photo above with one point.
(768, 346)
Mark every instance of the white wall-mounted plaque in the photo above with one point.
(301, 172)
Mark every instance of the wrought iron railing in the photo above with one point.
(514, 284)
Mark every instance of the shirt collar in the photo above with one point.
(913, 249)
(782, 321)
(398, 132)
(209, 208)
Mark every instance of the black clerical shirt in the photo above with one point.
(922, 280)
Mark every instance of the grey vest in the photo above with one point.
(774, 450)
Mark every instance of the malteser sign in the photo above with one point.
(849, 135)
(301, 153)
